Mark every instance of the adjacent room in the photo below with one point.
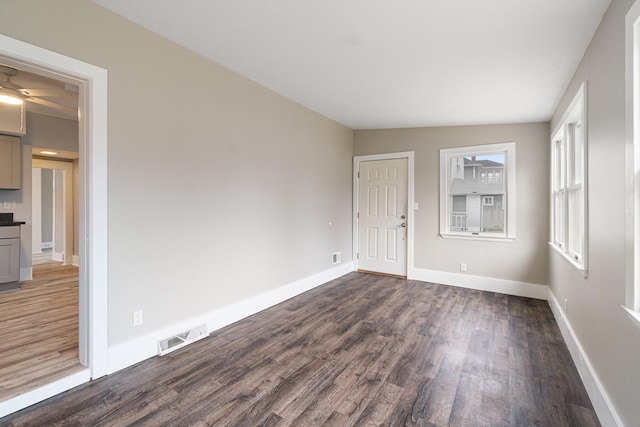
(343, 213)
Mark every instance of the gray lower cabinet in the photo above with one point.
(9, 254)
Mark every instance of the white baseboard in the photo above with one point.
(509, 287)
(133, 351)
(57, 256)
(75, 260)
(27, 399)
(26, 274)
(599, 399)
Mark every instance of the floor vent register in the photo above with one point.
(175, 342)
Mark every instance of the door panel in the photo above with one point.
(382, 201)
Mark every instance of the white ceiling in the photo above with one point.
(390, 63)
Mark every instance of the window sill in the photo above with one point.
(575, 264)
(633, 315)
(482, 237)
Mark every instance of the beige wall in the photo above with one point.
(219, 189)
(523, 260)
(611, 342)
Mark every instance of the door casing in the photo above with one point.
(92, 82)
(409, 155)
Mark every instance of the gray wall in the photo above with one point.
(610, 340)
(47, 205)
(523, 260)
(219, 189)
(51, 132)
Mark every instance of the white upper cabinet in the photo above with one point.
(10, 161)
(12, 119)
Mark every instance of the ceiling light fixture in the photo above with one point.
(9, 99)
(51, 153)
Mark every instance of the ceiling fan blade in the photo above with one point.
(55, 93)
(68, 110)
(8, 84)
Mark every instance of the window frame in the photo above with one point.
(508, 177)
(632, 162)
(568, 174)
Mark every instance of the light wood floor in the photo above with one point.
(39, 329)
(361, 350)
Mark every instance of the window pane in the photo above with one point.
(575, 222)
(562, 161)
(458, 213)
(557, 168)
(492, 214)
(578, 147)
(477, 174)
(558, 217)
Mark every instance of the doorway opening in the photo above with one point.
(92, 125)
(54, 206)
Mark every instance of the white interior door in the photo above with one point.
(382, 216)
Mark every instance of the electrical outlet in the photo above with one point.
(336, 258)
(137, 318)
(9, 205)
(463, 267)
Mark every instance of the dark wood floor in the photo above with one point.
(361, 350)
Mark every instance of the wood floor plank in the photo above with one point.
(39, 329)
(360, 350)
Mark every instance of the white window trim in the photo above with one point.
(509, 183)
(632, 163)
(579, 101)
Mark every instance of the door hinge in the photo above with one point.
(358, 174)
(357, 255)
(358, 215)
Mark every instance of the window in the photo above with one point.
(568, 183)
(477, 191)
(632, 261)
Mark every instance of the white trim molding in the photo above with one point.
(599, 398)
(632, 162)
(26, 274)
(136, 350)
(502, 286)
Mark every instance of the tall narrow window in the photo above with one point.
(632, 119)
(477, 191)
(568, 183)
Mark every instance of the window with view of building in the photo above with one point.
(477, 191)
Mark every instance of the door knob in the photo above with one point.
(402, 217)
(403, 225)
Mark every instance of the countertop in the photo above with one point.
(11, 224)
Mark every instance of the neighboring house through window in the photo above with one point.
(477, 191)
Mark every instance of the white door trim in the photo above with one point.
(410, 201)
(92, 111)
